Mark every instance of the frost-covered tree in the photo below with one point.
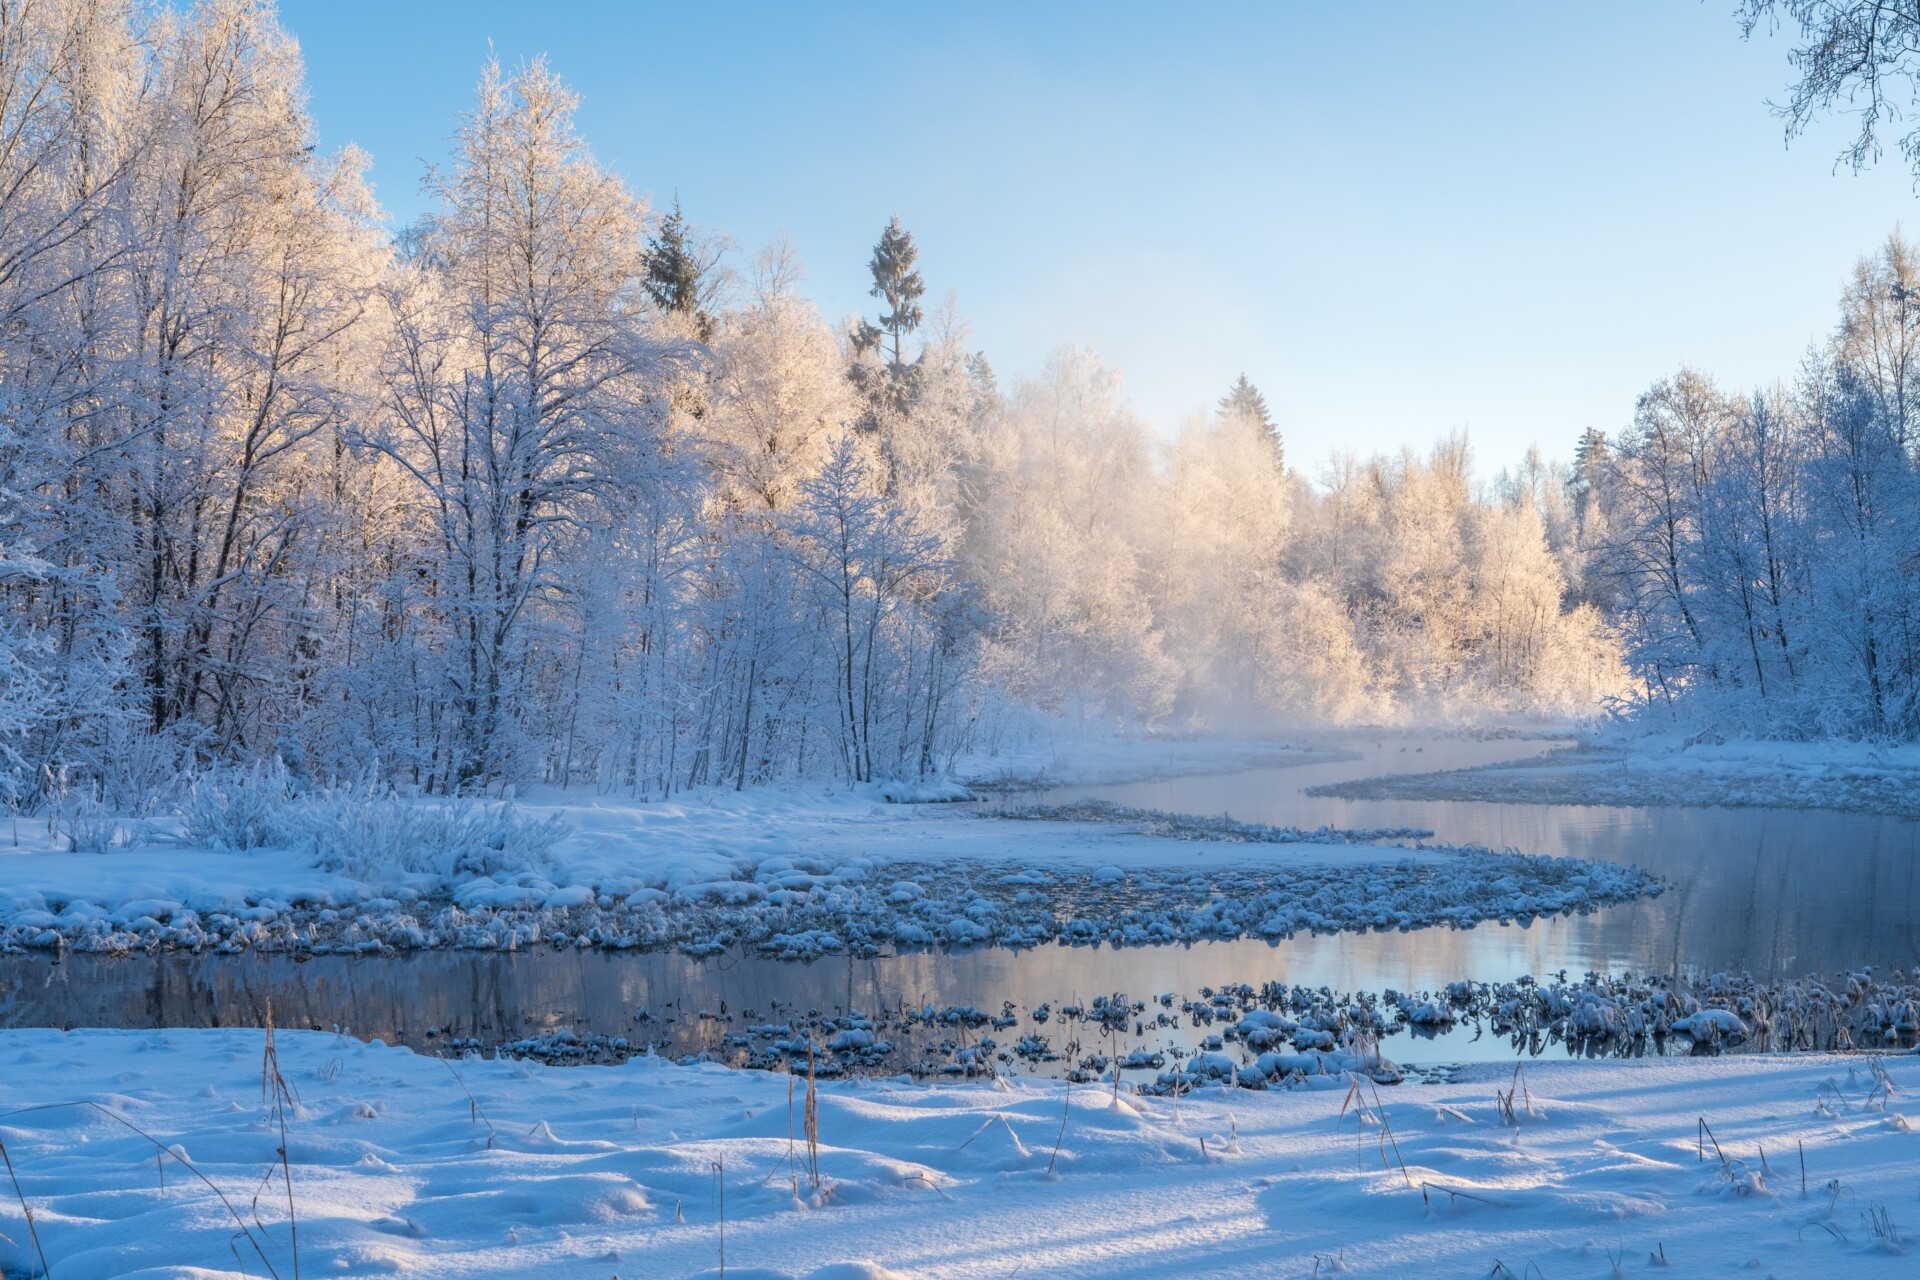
(1760, 546)
(185, 281)
(778, 389)
(863, 561)
(1878, 339)
(1060, 548)
(516, 394)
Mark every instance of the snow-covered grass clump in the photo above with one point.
(364, 836)
(123, 1143)
(366, 831)
(806, 908)
(1230, 1031)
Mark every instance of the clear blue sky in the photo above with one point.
(1397, 219)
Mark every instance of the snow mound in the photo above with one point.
(1590, 1159)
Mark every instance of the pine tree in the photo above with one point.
(1243, 400)
(897, 282)
(1589, 462)
(676, 275)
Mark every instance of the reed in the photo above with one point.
(33, 1232)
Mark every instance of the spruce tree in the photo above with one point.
(897, 282)
(1590, 459)
(675, 274)
(1243, 400)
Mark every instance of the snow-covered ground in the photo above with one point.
(794, 871)
(1634, 770)
(124, 1143)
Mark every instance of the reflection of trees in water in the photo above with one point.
(1777, 892)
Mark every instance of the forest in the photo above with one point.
(554, 486)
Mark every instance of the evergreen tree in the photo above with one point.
(897, 282)
(676, 275)
(1243, 400)
(1589, 464)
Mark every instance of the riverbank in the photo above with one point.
(794, 872)
(1635, 771)
(399, 1164)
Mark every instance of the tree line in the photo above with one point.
(1760, 550)
(550, 487)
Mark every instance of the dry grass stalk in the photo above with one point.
(719, 1168)
(1358, 1101)
(33, 1232)
(993, 1120)
(165, 1152)
(811, 1122)
(1509, 1112)
(1501, 1271)
(1706, 1130)
(1880, 1222)
(474, 1113)
(1334, 1262)
(793, 1163)
(275, 1091)
(1065, 1111)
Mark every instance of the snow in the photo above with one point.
(399, 1163)
(1638, 770)
(794, 871)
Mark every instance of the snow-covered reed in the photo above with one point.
(365, 830)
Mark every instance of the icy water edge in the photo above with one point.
(1773, 893)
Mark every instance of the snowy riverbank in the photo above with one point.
(398, 1165)
(792, 872)
(1634, 771)
(250, 862)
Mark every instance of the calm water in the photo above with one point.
(1777, 893)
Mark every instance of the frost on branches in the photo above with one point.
(539, 489)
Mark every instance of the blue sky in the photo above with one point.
(1398, 219)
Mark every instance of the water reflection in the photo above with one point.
(433, 1000)
(1779, 893)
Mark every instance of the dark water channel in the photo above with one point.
(1775, 893)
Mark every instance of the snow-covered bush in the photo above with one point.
(363, 832)
(234, 808)
(87, 824)
(365, 829)
(140, 772)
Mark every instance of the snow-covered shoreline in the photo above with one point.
(1637, 771)
(793, 874)
(399, 1164)
(251, 862)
